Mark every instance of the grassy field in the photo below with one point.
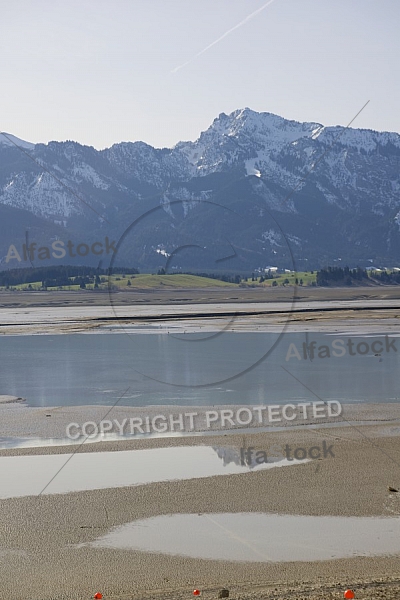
(146, 281)
(142, 281)
(303, 278)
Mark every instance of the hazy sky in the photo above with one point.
(104, 71)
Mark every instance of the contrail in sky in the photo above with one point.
(246, 20)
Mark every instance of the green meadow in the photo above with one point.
(147, 281)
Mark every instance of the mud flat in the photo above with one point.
(370, 315)
(28, 429)
(53, 543)
(195, 296)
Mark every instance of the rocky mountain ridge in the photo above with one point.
(302, 193)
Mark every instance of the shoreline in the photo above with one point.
(183, 296)
(21, 424)
(53, 533)
(200, 314)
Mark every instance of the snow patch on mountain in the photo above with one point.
(273, 237)
(362, 139)
(252, 166)
(87, 173)
(6, 139)
(294, 240)
(166, 205)
(46, 198)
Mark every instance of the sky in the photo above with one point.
(105, 71)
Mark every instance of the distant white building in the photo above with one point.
(272, 269)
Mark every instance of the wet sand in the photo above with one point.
(184, 296)
(23, 424)
(372, 316)
(45, 539)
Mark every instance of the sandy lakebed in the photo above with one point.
(50, 540)
(155, 517)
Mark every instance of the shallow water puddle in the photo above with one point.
(258, 537)
(28, 475)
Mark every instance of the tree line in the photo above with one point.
(346, 276)
(66, 275)
(58, 276)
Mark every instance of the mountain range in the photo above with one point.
(254, 190)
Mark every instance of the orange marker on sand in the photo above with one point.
(98, 596)
(349, 594)
(196, 592)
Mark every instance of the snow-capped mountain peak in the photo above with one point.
(265, 125)
(342, 184)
